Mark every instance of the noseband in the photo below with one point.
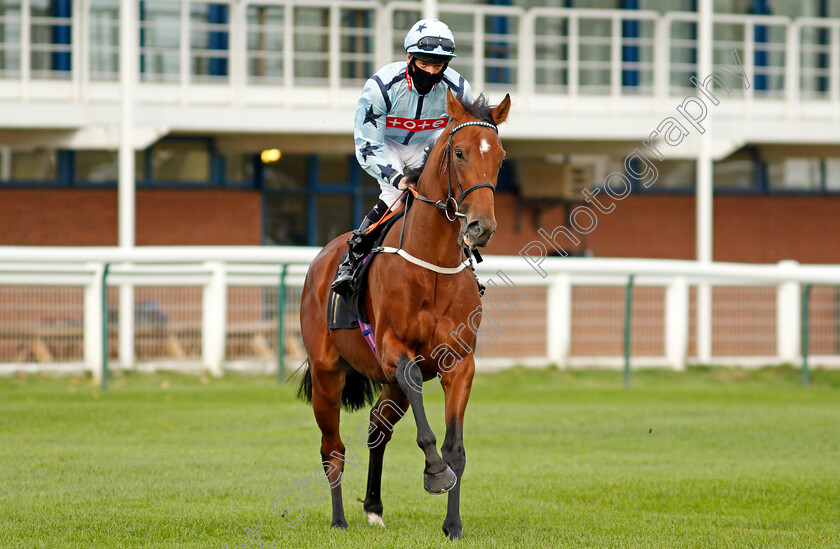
(447, 165)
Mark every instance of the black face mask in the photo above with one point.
(424, 81)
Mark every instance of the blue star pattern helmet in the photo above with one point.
(430, 40)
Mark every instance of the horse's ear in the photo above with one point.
(453, 106)
(500, 113)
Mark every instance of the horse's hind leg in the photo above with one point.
(438, 477)
(326, 403)
(457, 388)
(392, 406)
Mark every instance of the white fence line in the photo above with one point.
(566, 311)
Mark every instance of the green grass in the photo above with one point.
(708, 458)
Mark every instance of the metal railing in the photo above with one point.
(218, 308)
(636, 58)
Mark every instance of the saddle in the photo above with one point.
(346, 311)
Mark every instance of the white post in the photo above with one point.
(574, 55)
(238, 57)
(126, 185)
(791, 70)
(559, 324)
(615, 63)
(93, 322)
(214, 319)
(527, 72)
(661, 60)
(477, 80)
(334, 69)
(676, 322)
(185, 69)
(288, 51)
(126, 325)
(705, 191)
(788, 322)
(128, 54)
(430, 9)
(25, 48)
(78, 51)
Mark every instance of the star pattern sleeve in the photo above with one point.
(369, 133)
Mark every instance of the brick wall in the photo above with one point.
(88, 217)
(754, 229)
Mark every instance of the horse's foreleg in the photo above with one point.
(391, 407)
(327, 407)
(438, 477)
(457, 389)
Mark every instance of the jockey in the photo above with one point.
(401, 111)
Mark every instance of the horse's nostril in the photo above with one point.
(475, 228)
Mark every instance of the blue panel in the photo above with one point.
(762, 35)
(218, 168)
(499, 50)
(762, 181)
(142, 37)
(218, 40)
(822, 40)
(61, 34)
(65, 166)
(692, 34)
(259, 173)
(630, 53)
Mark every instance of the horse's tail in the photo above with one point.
(305, 388)
(359, 391)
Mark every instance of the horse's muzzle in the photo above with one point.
(477, 234)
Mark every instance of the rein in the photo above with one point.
(447, 165)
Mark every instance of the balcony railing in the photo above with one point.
(296, 52)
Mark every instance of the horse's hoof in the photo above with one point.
(440, 483)
(375, 519)
(453, 533)
(339, 524)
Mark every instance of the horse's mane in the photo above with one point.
(480, 108)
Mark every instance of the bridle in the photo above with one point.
(447, 165)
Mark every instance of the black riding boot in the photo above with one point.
(359, 244)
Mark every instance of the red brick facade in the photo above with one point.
(88, 217)
(754, 228)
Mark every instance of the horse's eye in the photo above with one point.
(459, 154)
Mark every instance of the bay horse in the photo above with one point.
(421, 304)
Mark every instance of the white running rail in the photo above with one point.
(216, 309)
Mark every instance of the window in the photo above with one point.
(832, 174)
(35, 166)
(734, 173)
(310, 199)
(804, 174)
(799, 174)
(9, 40)
(104, 29)
(100, 166)
(676, 174)
(51, 36)
(181, 161)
